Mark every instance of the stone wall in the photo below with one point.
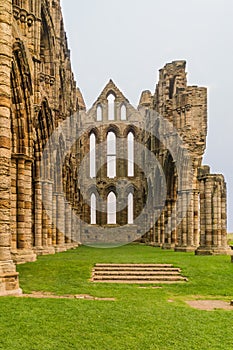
(123, 123)
(44, 94)
(38, 93)
(9, 283)
(199, 224)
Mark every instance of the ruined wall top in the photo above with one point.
(183, 105)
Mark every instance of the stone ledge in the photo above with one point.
(9, 274)
(23, 256)
(44, 251)
(214, 251)
(168, 246)
(187, 249)
(6, 293)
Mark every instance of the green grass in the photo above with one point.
(230, 238)
(139, 318)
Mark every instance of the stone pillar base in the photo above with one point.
(44, 251)
(61, 249)
(168, 246)
(22, 256)
(9, 279)
(187, 249)
(156, 245)
(214, 251)
(72, 246)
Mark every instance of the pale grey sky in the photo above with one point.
(130, 40)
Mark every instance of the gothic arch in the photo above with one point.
(92, 153)
(112, 208)
(111, 92)
(92, 189)
(21, 85)
(123, 111)
(99, 112)
(21, 147)
(44, 125)
(169, 171)
(131, 188)
(47, 47)
(108, 189)
(95, 131)
(112, 128)
(133, 129)
(130, 211)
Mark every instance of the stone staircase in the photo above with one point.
(137, 273)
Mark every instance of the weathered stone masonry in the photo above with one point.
(38, 93)
(203, 229)
(8, 276)
(201, 195)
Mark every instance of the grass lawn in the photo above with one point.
(230, 238)
(138, 319)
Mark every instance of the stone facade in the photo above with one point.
(37, 92)
(186, 211)
(41, 189)
(125, 120)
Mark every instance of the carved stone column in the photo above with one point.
(9, 282)
(47, 217)
(196, 218)
(60, 223)
(185, 228)
(20, 204)
(223, 209)
(190, 221)
(162, 229)
(67, 223)
(38, 215)
(157, 233)
(174, 224)
(213, 216)
(168, 227)
(75, 227)
(24, 252)
(54, 224)
(13, 205)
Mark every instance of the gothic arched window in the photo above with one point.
(111, 155)
(93, 209)
(130, 209)
(130, 141)
(92, 155)
(123, 112)
(99, 113)
(111, 107)
(111, 208)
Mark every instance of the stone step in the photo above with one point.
(142, 278)
(137, 269)
(140, 281)
(136, 273)
(134, 265)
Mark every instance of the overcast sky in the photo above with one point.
(130, 40)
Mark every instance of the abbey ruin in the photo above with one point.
(150, 156)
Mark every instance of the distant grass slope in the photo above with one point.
(230, 238)
(139, 318)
